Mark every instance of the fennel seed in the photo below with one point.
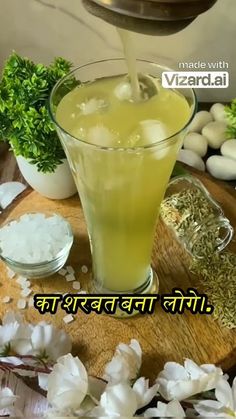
(218, 276)
(191, 215)
(184, 212)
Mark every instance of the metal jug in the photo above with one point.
(153, 17)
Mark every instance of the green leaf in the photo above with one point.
(231, 118)
(24, 118)
(179, 170)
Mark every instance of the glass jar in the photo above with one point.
(196, 218)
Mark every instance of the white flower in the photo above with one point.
(96, 387)
(225, 403)
(43, 381)
(7, 398)
(11, 360)
(49, 342)
(56, 414)
(14, 335)
(118, 400)
(172, 410)
(144, 394)
(179, 383)
(67, 383)
(125, 364)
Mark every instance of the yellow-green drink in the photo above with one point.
(121, 154)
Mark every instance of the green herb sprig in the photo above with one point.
(231, 118)
(24, 118)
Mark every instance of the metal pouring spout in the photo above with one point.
(153, 17)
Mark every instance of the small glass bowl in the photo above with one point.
(42, 269)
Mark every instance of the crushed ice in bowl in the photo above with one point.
(41, 238)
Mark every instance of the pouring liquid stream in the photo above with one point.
(130, 57)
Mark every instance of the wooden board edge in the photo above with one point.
(194, 172)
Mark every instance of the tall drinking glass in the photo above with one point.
(121, 188)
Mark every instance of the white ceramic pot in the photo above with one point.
(57, 185)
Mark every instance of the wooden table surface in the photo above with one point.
(223, 355)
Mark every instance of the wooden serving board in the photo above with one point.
(163, 337)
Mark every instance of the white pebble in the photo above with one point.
(76, 285)
(6, 299)
(228, 149)
(215, 133)
(21, 304)
(70, 269)
(68, 319)
(197, 143)
(70, 277)
(82, 292)
(200, 120)
(10, 273)
(84, 269)
(192, 159)
(31, 302)
(218, 112)
(25, 292)
(221, 167)
(62, 272)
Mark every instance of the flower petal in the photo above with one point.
(177, 383)
(210, 408)
(125, 364)
(175, 409)
(7, 398)
(144, 394)
(174, 371)
(117, 370)
(194, 371)
(120, 400)
(8, 332)
(210, 368)
(224, 394)
(234, 393)
(11, 360)
(67, 383)
(155, 412)
(172, 409)
(43, 381)
(12, 317)
(50, 342)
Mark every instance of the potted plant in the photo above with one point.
(26, 125)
